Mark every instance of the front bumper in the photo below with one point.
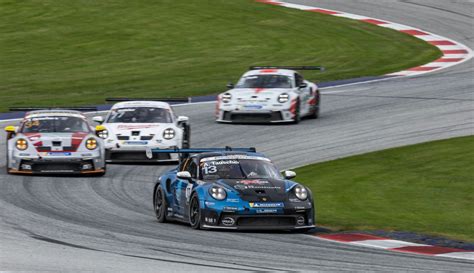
(287, 218)
(263, 116)
(139, 154)
(50, 166)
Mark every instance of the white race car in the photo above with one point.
(54, 142)
(134, 128)
(270, 94)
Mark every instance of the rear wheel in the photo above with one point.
(315, 112)
(160, 205)
(195, 212)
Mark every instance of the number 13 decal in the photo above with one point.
(210, 169)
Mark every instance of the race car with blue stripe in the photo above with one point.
(232, 188)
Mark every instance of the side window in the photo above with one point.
(192, 168)
(298, 79)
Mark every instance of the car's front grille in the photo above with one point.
(146, 137)
(252, 117)
(119, 137)
(263, 221)
(56, 167)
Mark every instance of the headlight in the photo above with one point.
(282, 98)
(103, 134)
(21, 144)
(169, 133)
(218, 193)
(301, 192)
(226, 98)
(91, 144)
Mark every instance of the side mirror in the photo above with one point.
(289, 174)
(11, 131)
(98, 119)
(230, 85)
(182, 119)
(100, 128)
(185, 175)
(303, 85)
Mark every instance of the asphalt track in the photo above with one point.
(107, 224)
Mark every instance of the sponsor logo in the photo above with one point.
(253, 107)
(222, 162)
(300, 220)
(210, 203)
(240, 187)
(233, 200)
(58, 154)
(230, 209)
(133, 127)
(228, 221)
(267, 211)
(266, 205)
(252, 182)
(136, 142)
(227, 157)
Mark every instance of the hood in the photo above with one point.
(257, 190)
(51, 142)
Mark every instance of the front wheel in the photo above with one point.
(297, 117)
(160, 205)
(195, 212)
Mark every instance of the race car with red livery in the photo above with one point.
(270, 94)
(231, 188)
(54, 141)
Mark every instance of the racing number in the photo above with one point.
(209, 169)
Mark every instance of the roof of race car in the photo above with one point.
(51, 113)
(270, 71)
(156, 104)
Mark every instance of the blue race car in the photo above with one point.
(231, 189)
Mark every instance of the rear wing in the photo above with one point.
(321, 68)
(184, 153)
(171, 100)
(28, 109)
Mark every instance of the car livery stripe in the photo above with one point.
(453, 52)
(76, 140)
(397, 245)
(293, 107)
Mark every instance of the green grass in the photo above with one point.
(426, 188)
(76, 52)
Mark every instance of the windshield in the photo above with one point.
(56, 124)
(140, 115)
(264, 81)
(237, 169)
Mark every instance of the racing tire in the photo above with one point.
(159, 205)
(297, 113)
(315, 114)
(194, 212)
(186, 137)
